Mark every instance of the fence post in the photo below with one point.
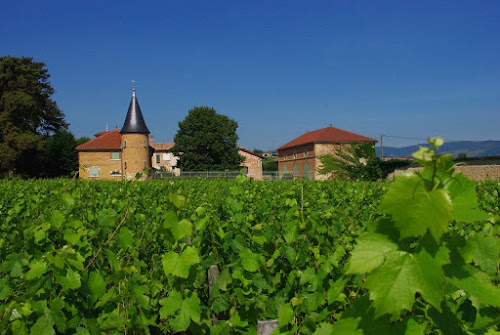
(266, 327)
(212, 274)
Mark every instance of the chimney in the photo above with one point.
(150, 140)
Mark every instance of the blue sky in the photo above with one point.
(279, 68)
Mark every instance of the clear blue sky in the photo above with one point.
(279, 68)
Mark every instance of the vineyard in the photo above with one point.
(419, 255)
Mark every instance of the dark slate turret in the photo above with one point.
(134, 122)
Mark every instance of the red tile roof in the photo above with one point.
(106, 141)
(249, 152)
(162, 146)
(327, 135)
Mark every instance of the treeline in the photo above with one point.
(34, 140)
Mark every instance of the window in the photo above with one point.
(306, 171)
(116, 173)
(294, 155)
(166, 156)
(305, 153)
(158, 159)
(115, 156)
(94, 172)
(125, 143)
(285, 169)
(284, 157)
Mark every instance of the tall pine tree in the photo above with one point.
(27, 113)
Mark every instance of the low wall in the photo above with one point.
(473, 172)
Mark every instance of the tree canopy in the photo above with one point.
(27, 113)
(206, 141)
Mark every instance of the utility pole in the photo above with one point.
(381, 146)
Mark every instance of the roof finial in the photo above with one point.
(330, 124)
(133, 87)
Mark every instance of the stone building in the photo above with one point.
(111, 152)
(300, 157)
(252, 162)
(132, 151)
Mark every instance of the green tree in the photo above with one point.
(27, 113)
(62, 158)
(358, 161)
(206, 141)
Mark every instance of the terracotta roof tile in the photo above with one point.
(249, 152)
(162, 146)
(326, 135)
(110, 140)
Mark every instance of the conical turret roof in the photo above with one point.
(134, 122)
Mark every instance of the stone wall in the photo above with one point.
(253, 164)
(109, 169)
(473, 172)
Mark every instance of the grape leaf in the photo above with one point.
(414, 209)
(181, 229)
(37, 269)
(393, 285)
(465, 205)
(179, 265)
(249, 260)
(70, 281)
(484, 250)
(285, 315)
(477, 284)
(324, 329)
(369, 252)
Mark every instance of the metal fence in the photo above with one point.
(197, 174)
(266, 175)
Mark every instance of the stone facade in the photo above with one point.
(101, 162)
(303, 161)
(300, 159)
(253, 163)
(136, 155)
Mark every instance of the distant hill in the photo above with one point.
(470, 148)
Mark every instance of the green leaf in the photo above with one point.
(181, 229)
(478, 285)
(393, 285)
(285, 315)
(369, 252)
(324, 329)
(191, 306)
(37, 269)
(97, 285)
(179, 265)
(44, 325)
(484, 250)
(57, 219)
(68, 200)
(108, 217)
(126, 238)
(463, 195)
(414, 209)
(5, 289)
(178, 200)
(171, 304)
(169, 220)
(249, 260)
(70, 281)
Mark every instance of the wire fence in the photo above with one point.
(266, 175)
